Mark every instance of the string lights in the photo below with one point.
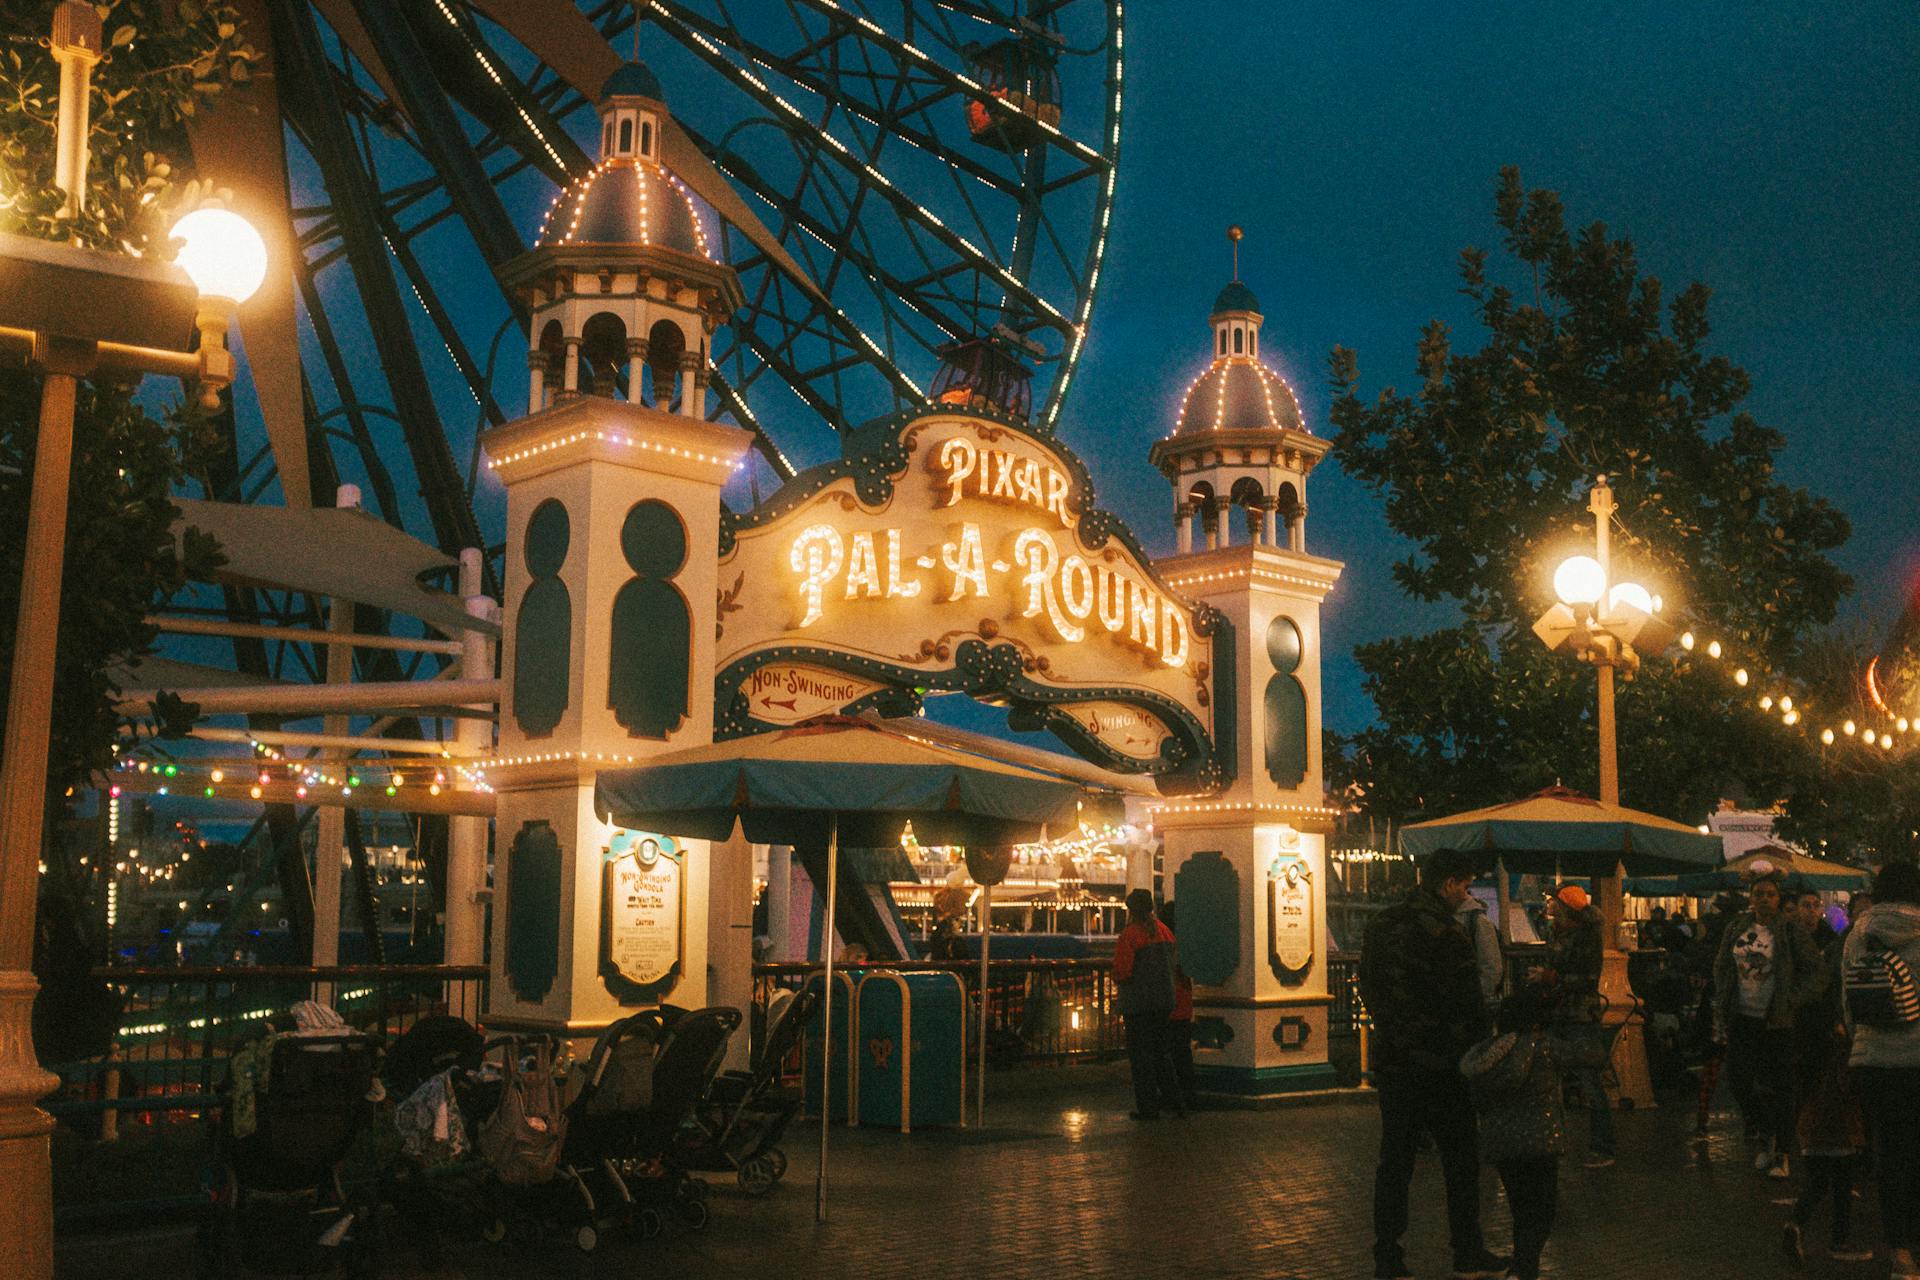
(1780, 704)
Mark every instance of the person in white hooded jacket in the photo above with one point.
(1886, 1062)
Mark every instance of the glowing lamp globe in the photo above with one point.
(1579, 580)
(221, 253)
(1629, 593)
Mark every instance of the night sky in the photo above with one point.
(1765, 149)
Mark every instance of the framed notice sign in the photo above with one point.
(1290, 924)
(642, 916)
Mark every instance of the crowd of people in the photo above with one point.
(1817, 1028)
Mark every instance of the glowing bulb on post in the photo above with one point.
(1629, 593)
(1579, 580)
(221, 253)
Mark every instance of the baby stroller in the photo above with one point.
(295, 1103)
(738, 1124)
(647, 1074)
(435, 1073)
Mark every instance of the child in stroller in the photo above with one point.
(294, 1103)
(739, 1123)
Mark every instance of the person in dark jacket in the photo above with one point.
(1515, 1078)
(1569, 979)
(1420, 980)
(1143, 969)
(1764, 969)
(1180, 1022)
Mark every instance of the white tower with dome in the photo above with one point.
(1247, 866)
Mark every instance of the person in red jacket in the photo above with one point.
(1181, 1021)
(1143, 970)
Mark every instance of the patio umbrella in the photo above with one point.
(1558, 831)
(840, 778)
(1802, 872)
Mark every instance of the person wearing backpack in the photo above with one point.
(1143, 969)
(1882, 1007)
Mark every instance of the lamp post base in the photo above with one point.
(1633, 1084)
(26, 1182)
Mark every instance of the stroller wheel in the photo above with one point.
(756, 1176)
(586, 1238)
(651, 1223)
(694, 1214)
(494, 1231)
(778, 1159)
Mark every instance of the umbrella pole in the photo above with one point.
(980, 1080)
(826, 1014)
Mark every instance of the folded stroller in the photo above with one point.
(295, 1102)
(738, 1125)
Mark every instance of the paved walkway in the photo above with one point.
(1061, 1184)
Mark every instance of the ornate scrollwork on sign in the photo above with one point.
(950, 552)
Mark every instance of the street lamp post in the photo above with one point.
(1610, 624)
(75, 313)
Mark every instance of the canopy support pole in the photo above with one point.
(980, 1081)
(826, 1019)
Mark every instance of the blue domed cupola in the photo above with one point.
(624, 288)
(1240, 447)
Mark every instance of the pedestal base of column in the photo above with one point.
(26, 1180)
(1253, 1085)
(1633, 1083)
(1264, 1050)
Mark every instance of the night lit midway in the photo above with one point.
(681, 636)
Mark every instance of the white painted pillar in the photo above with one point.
(1182, 529)
(571, 373)
(1297, 531)
(730, 936)
(1223, 519)
(330, 824)
(691, 386)
(1271, 522)
(467, 836)
(536, 381)
(780, 900)
(636, 369)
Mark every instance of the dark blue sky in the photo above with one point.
(1767, 150)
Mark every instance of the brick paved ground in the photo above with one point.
(1062, 1185)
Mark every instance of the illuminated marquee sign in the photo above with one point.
(954, 553)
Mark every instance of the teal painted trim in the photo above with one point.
(543, 629)
(1207, 888)
(1255, 1081)
(1285, 706)
(533, 911)
(650, 670)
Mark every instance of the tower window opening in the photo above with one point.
(606, 139)
(1239, 340)
(626, 136)
(1223, 342)
(646, 137)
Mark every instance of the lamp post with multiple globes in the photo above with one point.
(1610, 624)
(74, 314)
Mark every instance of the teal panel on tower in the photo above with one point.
(650, 673)
(1284, 706)
(1208, 891)
(533, 911)
(543, 633)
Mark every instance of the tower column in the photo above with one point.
(1223, 522)
(1182, 528)
(1297, 531)
(692, 385)
(1270, 510)
(536, 380)
(570, 368)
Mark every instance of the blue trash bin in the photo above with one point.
(827, 1071)
(911, 1049)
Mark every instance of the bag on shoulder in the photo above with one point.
(521, 1140)
(1150, 989)
(1880, 990)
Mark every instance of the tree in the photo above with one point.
(166, 61)
(1585, 368)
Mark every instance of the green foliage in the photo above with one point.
(166, 61)
(1585, 367)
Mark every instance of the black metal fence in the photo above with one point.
(178, 1027)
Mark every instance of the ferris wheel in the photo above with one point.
(914, 193)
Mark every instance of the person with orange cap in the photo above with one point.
(1570, 977)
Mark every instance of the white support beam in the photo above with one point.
(344, 741)
(296, 635)
(321, 699)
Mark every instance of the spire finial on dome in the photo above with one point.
(1233, 238)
